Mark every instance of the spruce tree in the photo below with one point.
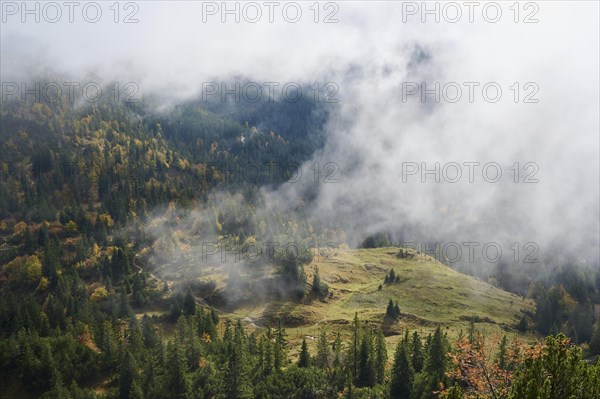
(237, 379)
(177, 384)
(502, 354)
(316, 284)
(127, 375)
(280, 350)
(322, 358)
(354, 348)
(401, 384)
(389, 312)
(417, 352)
(189, 303)
(380, 358)
(437, 357)
(595, 342)
(304, 359)
(366, 369)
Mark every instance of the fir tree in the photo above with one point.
(237, 379)
(417, 352)
(127, 375)
(401, 384)
(177, 383)
(322, 358)
(304, 359)
(437, 357)
(380, 358)
(280, 351)
(366, 369)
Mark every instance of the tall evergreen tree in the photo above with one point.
(595, 342)
(437, 357)
(323, 352)
(304, 359)
(380, 358)
(189, 303)
(354, 348)
(280, 350)
(237, 379)
(417, 352)
(401, 385)
(366, 369)
(177, 384)
(127, 375)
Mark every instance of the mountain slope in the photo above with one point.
(428, 293)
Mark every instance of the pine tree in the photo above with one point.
(177, 384)
(380, 358)
(437, 358)
(389, 312)
(523, 325)
(136, 391)
(316, 284)
(189, 303)
(472, 331)
(401, 384)
(595, 342)
(214, 316)
(354, 348)
(266, 356)
(304, 359)
(366, 369)
(280, 352)
(336, 349)
(127, 375)
(417, 352)
(322, 358)
(51, 263)
(502, 354)
(237, 379)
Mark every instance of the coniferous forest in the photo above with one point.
(187, 245)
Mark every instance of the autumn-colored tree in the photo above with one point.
(482, 375)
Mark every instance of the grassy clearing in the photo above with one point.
(429, 294)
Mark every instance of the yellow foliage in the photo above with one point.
(107, 219)
(25, 269)
(43, 285)
(206, 338)
(183, 164)
(19, 228)
(99, 294)
(95, 250)
(71, 227)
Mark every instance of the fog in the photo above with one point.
(382, 128)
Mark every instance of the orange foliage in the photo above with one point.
(480, 372)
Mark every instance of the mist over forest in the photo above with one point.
(335, 199)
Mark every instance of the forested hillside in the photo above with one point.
(104, 290)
